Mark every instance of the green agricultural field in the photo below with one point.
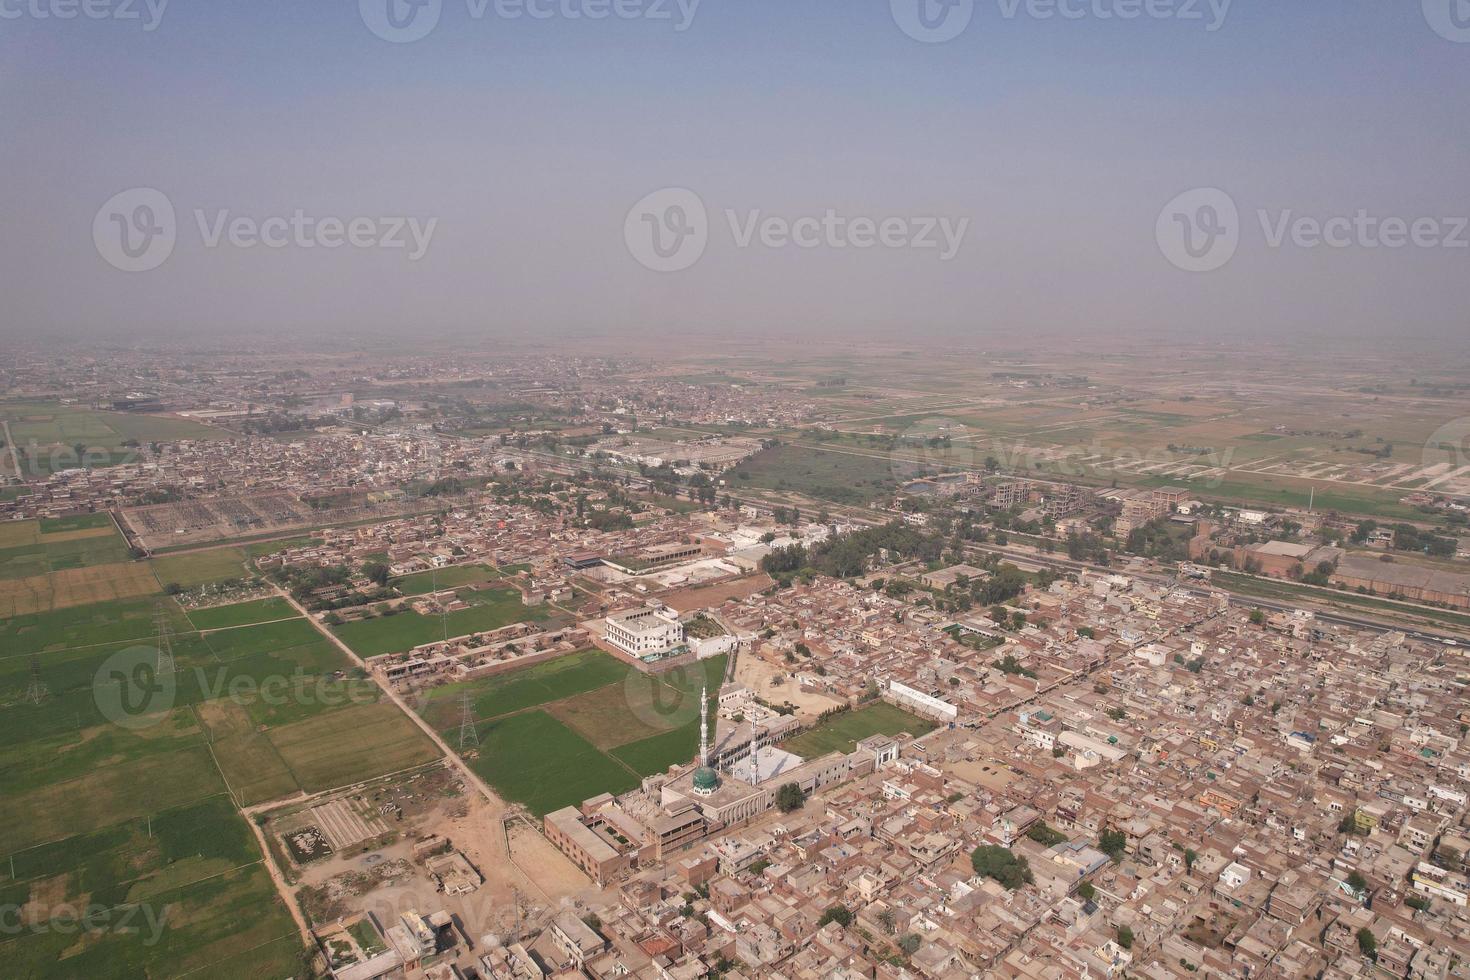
(122, 816)
(533, 759)
(261, 548)
(347, 746)
(195, 568)
(46, 434)
(104, 622)
(489, 610)
(193, 896)
(842, 732)
(528, 687)
(77, 522)
(615, 721)
(229, 644)
(655, 754)
(841, 477)
(243, 614)
(102, 796)
(30, 548)
(453, 577)
(253, 769)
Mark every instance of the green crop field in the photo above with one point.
(77, 522)
(212, 911)
(842, 732)
(243, 614)
(347, 746)
(105, 622)
(47, 434)
(488, 610)
(587, 722)
(841, 477)
(528, 687)
(196, 568)
(533, 759)
(31, 548)
(93, 800)
(229, 644)
(422, 583)
(124, 796)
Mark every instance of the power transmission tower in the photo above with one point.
(37, 692)
(468, 734)
(165, 633)
(443, 610)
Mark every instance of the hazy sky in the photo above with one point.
(1052, 142)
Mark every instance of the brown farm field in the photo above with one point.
(72, 587)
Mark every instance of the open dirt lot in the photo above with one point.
(758, 676)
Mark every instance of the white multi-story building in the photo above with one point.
(924, 705)
(645, 632)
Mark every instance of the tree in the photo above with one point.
(909, 944)
(1044, 835)
(1368, 943)
(1125, 937)
(888, 919)
(790, 798)
(991, 861)
(1189, 858)
(1357, 882)
(1113, 843)
(1087, 891)
(838, 914)
(376, 572)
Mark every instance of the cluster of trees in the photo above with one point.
(790, 798)
(1089, 548)
(1010, 665)
(1044, 835)
(303, 582)
(847, 555)
(1156, 540)
(1407, 537)
(992, 861)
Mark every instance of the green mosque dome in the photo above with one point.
(706, 779)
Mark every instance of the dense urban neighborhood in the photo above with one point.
(588, 668)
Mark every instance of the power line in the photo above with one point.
(468, 734)
(37, 691)
(164, 629)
